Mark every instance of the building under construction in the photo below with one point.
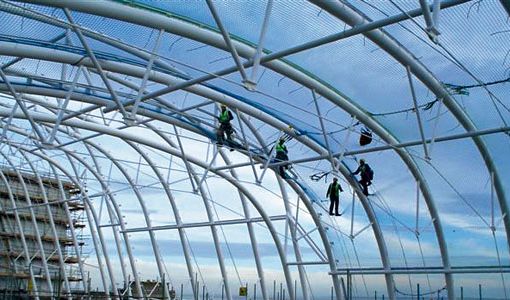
(40, 230)
(203, 138)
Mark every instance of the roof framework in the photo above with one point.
(97, 86)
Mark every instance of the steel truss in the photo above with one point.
(142, 114)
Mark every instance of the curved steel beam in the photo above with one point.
(218, 97)
(178, 220)
(93, 217)
(71, 228)
(397, 51)
(27, 259)
(145, 212)
(280, 126)
(177, 153)
(292, 229)
(115, 228)
(251, 232)
(37, 233)
(52, 224)
(344, 103)
(372, 124)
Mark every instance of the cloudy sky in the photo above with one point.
(473, 48)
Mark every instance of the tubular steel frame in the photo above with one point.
(238, 50)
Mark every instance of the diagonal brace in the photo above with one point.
(21, 104)
(132, 116)
(62, 108)
(418, 115)
(96, 63)
(228, 41)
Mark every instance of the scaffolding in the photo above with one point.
(26, 201)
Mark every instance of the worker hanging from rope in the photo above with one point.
(367, 175)
(225, 127)
(333, 193)
(281, 155)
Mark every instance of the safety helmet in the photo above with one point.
(223, 106)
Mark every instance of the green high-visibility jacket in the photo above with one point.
(334, 190)
(224, 117)
(281, 148)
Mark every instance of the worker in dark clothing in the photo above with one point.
(281, 155)
(333, 193)
(225, 126)
(366, 174)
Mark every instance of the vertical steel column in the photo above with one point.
(417, 232)
(352, 214)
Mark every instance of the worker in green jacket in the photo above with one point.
(281, 155)
(225, 127)
(333, 194)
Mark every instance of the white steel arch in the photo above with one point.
(202, 128)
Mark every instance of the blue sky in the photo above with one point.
(367, 76)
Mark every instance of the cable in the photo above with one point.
(421, 294)
(208, 197)
(499, 261)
